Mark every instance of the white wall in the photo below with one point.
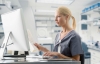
(44, 21)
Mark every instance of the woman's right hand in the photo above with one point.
(41, 48)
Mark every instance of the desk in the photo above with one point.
(36, 61)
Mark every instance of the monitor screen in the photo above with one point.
(13, 22)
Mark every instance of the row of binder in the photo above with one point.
(91, 7)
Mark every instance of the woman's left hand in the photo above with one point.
(51, 54)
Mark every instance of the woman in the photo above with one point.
(67, 42)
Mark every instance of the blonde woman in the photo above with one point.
(67, 42)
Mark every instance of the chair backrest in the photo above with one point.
(84, 47)
(82, 58)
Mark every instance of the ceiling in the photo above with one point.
(75, 7)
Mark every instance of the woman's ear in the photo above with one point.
(67, 17)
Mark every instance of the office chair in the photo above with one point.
(82, 58)
(85, 49)
(87, 54)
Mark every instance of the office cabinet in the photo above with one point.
(95, 56)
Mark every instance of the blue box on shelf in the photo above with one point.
(96, 5)
(86, 10)
(89, 8)
(92, 7)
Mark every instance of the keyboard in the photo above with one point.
(14, 56)
(55, 59)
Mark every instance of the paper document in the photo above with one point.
(31, 42)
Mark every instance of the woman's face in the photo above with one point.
(60, 19)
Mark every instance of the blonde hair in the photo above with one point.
(65, 11)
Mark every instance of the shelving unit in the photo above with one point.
(1, 32)
(93, 30)
(92, 8)
(0, 25)
(97, 10)
(95, 20)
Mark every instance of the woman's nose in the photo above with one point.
(55, 19)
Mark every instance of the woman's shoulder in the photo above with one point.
(75, 34)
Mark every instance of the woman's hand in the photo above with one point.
(41, 48)
(51, 54)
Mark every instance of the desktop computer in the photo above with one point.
(14, 23)
(19, 32)
(15, 32)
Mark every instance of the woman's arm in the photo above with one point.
(76, 57)
(61, 56)
(41, 48)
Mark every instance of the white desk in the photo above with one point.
(36, 61)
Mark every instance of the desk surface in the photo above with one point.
(35, 61)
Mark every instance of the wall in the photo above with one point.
(48, 24)
(30, 22)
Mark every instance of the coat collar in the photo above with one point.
(67, 36)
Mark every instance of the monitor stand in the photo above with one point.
(4, 45)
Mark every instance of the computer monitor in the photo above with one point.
(13, 22)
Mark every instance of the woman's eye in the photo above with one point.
(59, 16)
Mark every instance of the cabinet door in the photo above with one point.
(95, 56)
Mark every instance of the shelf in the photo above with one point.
(91, 11)
(48, 26)
(1, 32)
(43, 20)
(0, 23)
(3, 8)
